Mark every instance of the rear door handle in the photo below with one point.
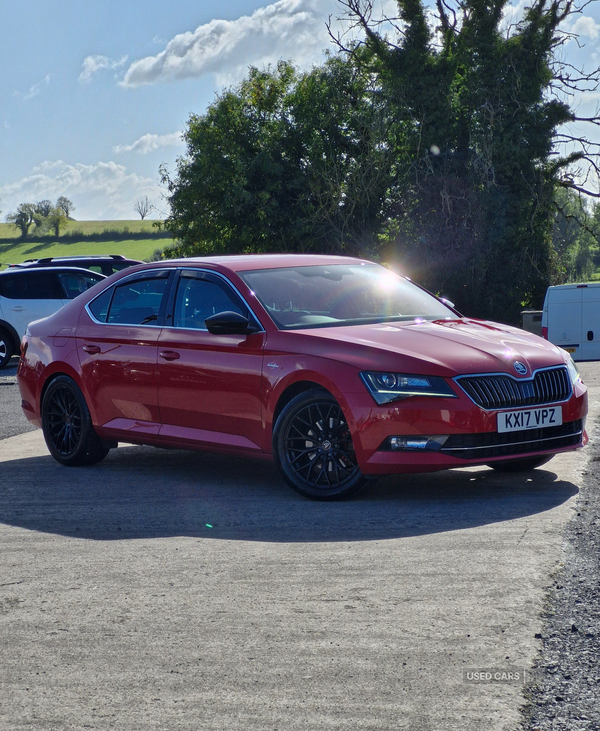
(169, 355)
(92, 349)
(18, 308)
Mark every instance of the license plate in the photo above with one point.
(529, 419)
(570, 350)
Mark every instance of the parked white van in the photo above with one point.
(571, 319)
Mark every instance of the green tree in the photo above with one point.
(65, 205)
(476, 117)
(283, 162)
(23, 218)
(56, 219)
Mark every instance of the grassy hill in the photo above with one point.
(133, 239)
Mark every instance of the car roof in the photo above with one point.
(54, 270)
(78, 258)
(245, 262)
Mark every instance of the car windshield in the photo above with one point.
(340, 294)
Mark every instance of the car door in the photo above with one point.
(209, 389)
(590, 322)
(117, 345)
(29, 296)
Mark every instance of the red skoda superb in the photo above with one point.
(335, 367)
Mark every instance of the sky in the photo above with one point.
(94, 96)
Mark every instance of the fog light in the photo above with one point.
(430, 444)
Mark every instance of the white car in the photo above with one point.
(30, 294)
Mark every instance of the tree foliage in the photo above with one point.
(65, 205)
(43, 215)
(430, 143)
(576, 236)
(23, 218)
(476, 117)
(284, 162)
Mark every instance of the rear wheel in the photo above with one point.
(520, 465)
(67, 425)
(6, 349)
(313, 448)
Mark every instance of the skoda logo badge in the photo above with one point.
(521, 368)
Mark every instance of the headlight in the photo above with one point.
(386, 387)
(572, 368)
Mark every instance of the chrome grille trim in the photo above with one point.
(493, 391)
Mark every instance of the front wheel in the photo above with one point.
(520, 465)
(313, 448)
(6, 349)
(67, 425)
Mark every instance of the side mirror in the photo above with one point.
(228, 323)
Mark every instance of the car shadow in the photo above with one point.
(141, 492)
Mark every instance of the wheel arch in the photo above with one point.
(12, 334)
(291, 391)
(52, 376)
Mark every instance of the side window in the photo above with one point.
(99, 306)
(137, 302)
(32, 286)
(75, 283)
(198, 299)
(95, 268)
(116, 266)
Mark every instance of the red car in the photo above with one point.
(335, 367)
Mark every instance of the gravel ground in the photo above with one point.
(565, 692)
(12, 419)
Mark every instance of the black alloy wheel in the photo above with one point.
(313, 448)
(6, 350)
(520, 465)
(67, 425)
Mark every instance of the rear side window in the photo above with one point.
(134, 302)
(76, 283)
(31, 286)
(99, 306)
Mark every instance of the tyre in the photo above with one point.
(520, 465)
(313, 448)
(6, 349)
(67, 425)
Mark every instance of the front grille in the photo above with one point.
(492, 444)
(504, 391)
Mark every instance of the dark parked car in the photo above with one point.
(29, 294)
(335, 367)
(106, 265)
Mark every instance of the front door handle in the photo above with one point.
(169, 355)
(18, 308)
(92, 349)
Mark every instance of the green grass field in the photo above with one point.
(114, 241)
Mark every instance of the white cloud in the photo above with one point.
(34, 90)
(93, 64)
(103, 191)
(289, 29)
(150, 143)
(586, 26)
